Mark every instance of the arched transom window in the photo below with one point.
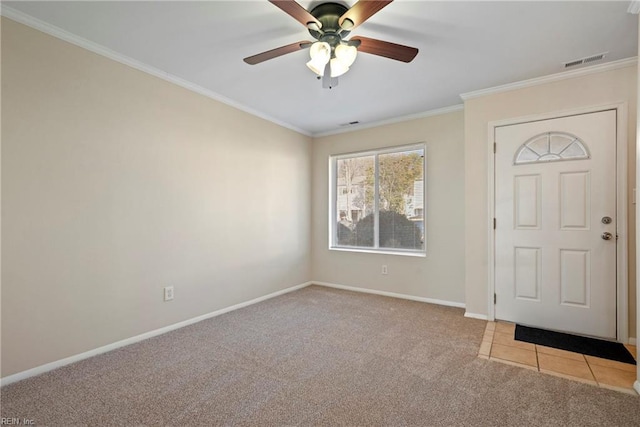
(551, 147)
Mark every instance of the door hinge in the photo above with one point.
(495, 298)
(494, 223)
(494, 148)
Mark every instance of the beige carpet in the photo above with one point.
(316, 356)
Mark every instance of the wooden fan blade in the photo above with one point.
(387, 49)
(279, 51)
(361, 11)
(296, 11)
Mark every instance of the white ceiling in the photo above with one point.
(464, 46)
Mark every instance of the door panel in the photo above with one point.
(528, 268)
(575, 283)
(575, 201)
(527, 201)
(555, 180)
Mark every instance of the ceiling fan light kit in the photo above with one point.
(339, 58)
(330, 23)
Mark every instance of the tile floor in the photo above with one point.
(499, 345)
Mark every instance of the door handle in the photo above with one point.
(607, 236)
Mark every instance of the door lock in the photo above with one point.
(606, 220)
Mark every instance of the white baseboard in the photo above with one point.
(391, 294)
(636, 386)
(632, 341)
(476, 316)
(68, 360)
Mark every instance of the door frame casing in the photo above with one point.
(622, 279)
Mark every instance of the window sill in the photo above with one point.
(379, 251)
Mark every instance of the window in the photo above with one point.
(378, 201)
(551, 147)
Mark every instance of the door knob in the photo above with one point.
(607, 236)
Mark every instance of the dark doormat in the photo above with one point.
(589, 346)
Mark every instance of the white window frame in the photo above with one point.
(333, 201)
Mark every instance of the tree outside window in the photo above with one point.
(394, 220)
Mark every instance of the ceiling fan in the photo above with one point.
(330, 24)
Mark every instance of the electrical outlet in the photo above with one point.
(384, 269)
(168, 293)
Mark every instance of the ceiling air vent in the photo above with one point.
(350, 123)
(586, 60)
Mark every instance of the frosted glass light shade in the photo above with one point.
(320, 50)
(317, 66)
(320, 53)
(346, 54)
(338, 67)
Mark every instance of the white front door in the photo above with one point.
(555, 200)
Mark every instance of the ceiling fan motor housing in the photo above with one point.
(329, 14)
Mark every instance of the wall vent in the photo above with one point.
(585, 60)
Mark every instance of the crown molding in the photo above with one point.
(609, 66)
(429, 113)
(64, 35)
(634, 7)
(52, 30)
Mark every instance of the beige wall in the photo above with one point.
(440, 275)
(116, 184)
(592, 90)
